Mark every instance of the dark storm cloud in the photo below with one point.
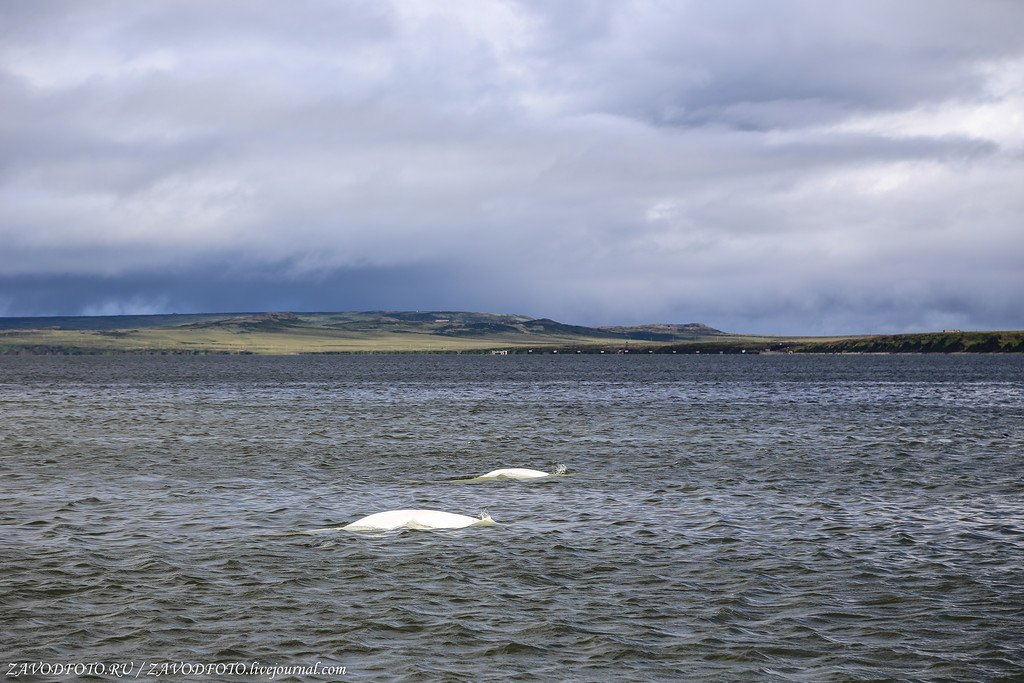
(418, 288)
(785, 167)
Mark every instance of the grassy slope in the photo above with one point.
(306, 333)
(438, 332)
(927, 342)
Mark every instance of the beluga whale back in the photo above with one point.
(519, 473)
(417, 519)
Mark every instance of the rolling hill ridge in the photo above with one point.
(283, 333)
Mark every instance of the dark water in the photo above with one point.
(786, 518)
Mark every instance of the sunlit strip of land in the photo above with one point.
(285, 334)
(437, 332)
(271, 343)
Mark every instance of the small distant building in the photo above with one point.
(499, 352)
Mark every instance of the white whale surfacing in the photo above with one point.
(521, 473)
(417, 519)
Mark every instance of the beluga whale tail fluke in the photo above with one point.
(520, 473)
(417, 519)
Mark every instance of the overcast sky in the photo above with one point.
(777, 167)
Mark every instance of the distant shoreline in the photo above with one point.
(441, 332)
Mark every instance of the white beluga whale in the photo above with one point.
(519, 473)
(417, 519)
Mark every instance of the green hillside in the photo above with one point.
(929, 342)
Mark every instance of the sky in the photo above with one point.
(778, 167)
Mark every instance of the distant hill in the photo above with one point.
(287, 333)
(249, 322)
(452, 323)
(687, 332)
(108, 322)
(435, 332)
(922, 342)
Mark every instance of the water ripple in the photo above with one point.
(783, 518)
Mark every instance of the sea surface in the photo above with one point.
(790, 518)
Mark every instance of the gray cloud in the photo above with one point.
(783, 167)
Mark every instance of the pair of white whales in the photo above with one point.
(436, 519)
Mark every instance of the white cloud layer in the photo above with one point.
(777, 167)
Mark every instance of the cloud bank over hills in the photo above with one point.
(785, 167)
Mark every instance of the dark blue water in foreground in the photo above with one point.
(764, 517)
